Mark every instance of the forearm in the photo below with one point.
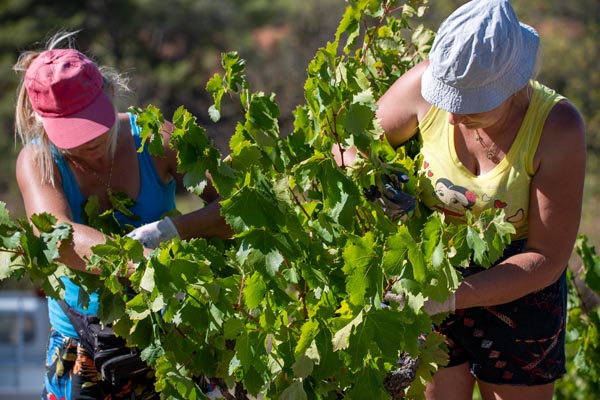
(514, 278)
(205, 222)
(74, 252)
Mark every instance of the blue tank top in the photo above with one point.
(154, 200)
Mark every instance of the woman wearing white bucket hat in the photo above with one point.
(494, 138)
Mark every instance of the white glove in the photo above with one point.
(153, 234)
(433, 307)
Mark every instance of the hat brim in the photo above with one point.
(485, 98)
(73, 130)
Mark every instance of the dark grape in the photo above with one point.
(400, 378)
(372, 193)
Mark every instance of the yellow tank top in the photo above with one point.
(446, 185)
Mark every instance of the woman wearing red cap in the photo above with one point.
(489, 130)
(77, 145)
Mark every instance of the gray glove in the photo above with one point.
(153, 234)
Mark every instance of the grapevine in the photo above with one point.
(300, 302)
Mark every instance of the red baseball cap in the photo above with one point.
(66, 89)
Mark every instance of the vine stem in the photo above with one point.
(297, 201)
(361, 221)
(301, 292)
(239, 299)
(180, 332)
(389, 285)
(489, 225)
(238, 306)
(303, 297)
(248, 315)
(333, 131)
(387, 10)
(17, 252)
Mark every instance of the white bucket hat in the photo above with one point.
(480, 56)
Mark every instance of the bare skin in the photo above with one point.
(92, 156)
(555, 202)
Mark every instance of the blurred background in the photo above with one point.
(171, 49)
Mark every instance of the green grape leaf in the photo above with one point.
(9, 232)
(233, 66)
(215, 86)
(360, 263)
(591, 263)
(249, 208)
(254, 290)
(104, 221)
(294, 392)
(477, 244)
(432, 354)
(369, 385)
(303, 367)
(341, 339)
(358, 119)
(417, 261)
(349, 25)
(340, 196)
(396, 250)
(309, 331)
(150, 120)
(233, 327)
(383, 322)
(262, 123)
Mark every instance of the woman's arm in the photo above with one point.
(554, 216)
(203, 222)
(399, 111)
(41, 197)
(402, 107)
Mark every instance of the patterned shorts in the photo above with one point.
(517, 343)
(71, 375)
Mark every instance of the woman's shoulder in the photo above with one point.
(29, 156)
(563, 133)
(28, 166)
(408, 87)
(564, 121)
(402, 106)
(26, 158)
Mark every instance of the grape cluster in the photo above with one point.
(400, 378)
(372, 193)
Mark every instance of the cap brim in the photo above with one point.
(76, 129)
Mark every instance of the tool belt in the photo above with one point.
(114, 360)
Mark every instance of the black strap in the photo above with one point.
(80, 324)
(65, 307)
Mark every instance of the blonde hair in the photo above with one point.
(28, 124)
